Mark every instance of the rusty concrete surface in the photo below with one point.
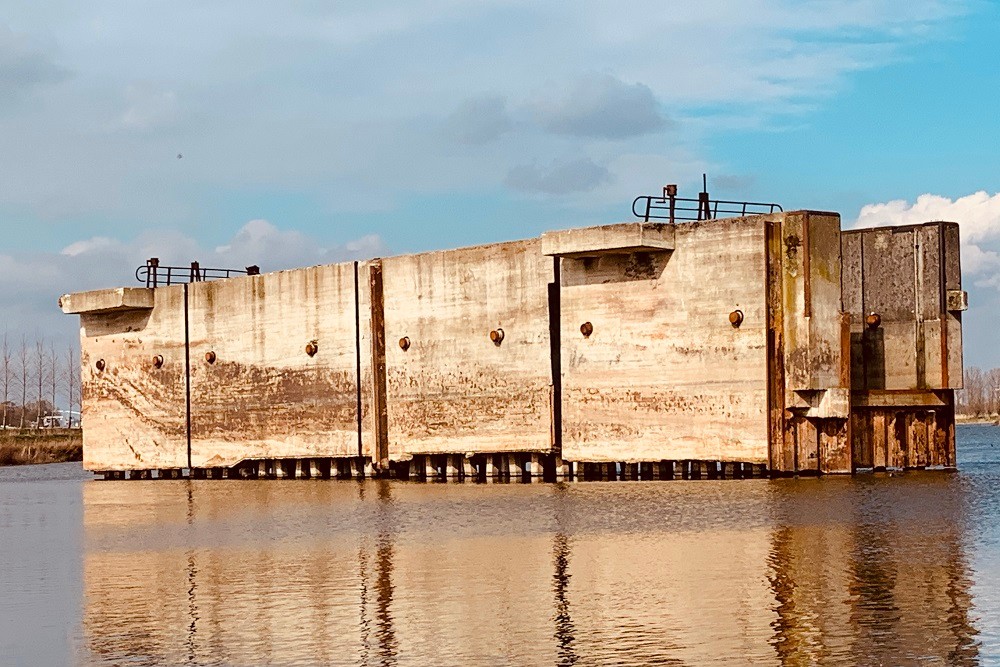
(772, 340)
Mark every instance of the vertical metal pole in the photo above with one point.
(187, 375)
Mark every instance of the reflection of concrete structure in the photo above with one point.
(374, 572)
(856, 582)
(641, 350)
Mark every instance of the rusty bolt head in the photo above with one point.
(158, 360)
(404, 343)
(736, 318)
(210, 357)
(873, 320)
(100, 364)
(586, 329)
(312, 347)
(496, 336)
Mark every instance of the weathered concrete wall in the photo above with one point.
(904, 276)
(454, 389)
(265, 396)
(808, 345)
(723, 340)
(664, 374)
(902, 289)
(134, 413)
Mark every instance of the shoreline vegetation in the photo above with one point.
(50, 445)
(991, 420)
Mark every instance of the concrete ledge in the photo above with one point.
(897, 399)
(609, 240)
(107, 300)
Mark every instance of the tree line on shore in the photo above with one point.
(34, 379)
(981, 395)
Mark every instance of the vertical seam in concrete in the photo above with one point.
(379, 389)
(943, 307)
(806, 278)
(187, 376)
(357, 355)
(864, 312)
(775, 351)
(555, 353)
(918, 308)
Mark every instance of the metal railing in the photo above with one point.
(153, 274)
(669, 206)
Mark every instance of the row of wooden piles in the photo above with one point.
(526, 467)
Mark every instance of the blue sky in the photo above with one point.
(314, 132)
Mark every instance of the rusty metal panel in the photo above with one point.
(807, 446)
(134, 408)
(473, 372)
(652, 367)
(256, 390)
(834, 445)
(862, 439)
(880, 439)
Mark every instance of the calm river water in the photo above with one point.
(892, 570)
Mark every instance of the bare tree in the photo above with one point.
(23, 370)
(53, 373)
(72, 373)
(40, 367)
(6, 374)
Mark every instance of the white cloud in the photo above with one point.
(978, 216)
(33, 281)
(345, 101)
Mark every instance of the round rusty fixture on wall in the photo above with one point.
(736, 318)
(312, 347)
(873, 320)
(404, 343)
(210, 357)
(586, 329)
(158, 360)
(497, 336)
(100, 364)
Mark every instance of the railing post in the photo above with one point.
(152, 264)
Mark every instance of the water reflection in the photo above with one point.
(560, 583)
(387, 573)
(860, 578)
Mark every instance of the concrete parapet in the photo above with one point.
(107, 300)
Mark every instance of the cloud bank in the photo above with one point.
(977, 214)
(33, 281)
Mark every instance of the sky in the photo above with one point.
(299, 132)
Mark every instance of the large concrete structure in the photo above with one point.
(733, 347)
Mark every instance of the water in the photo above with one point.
(881, 569)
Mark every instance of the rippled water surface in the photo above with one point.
(874, 569)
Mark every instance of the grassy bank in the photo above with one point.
(51, 445)
(977, 419)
